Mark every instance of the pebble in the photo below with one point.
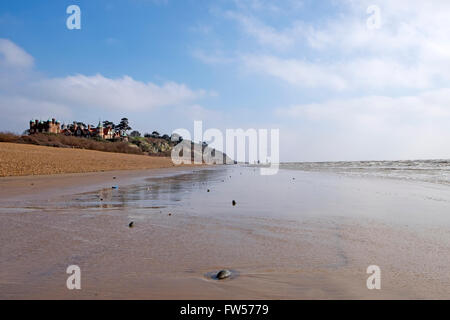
(223, 274)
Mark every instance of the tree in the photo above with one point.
(123, 125)
(107, 123)
(176, 138)
(155, 134)
(135, 134)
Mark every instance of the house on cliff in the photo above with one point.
(52, 126)
(77, 129)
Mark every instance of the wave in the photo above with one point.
(434, 171)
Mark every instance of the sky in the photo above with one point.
(339, 81)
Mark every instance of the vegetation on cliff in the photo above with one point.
(135, 145)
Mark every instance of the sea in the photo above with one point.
(434, 171)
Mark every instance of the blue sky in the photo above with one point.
(336, 89)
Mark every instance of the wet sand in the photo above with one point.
(308, 238)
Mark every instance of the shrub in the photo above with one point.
(9, 137)
(62, 141)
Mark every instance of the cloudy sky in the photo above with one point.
(338, 86)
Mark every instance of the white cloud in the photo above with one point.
(12, 56)
(26, 94)
(350, 75)
(372, 128)
(18, 110)
(212, 57)
(269, 6)
(411, 50)
(296, 72)
(392, 83)
(430, 105)
(123, 93)
(264, 34)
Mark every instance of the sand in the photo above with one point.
(308, 238)
(24, 159)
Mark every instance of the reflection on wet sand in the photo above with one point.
(294, 235)
(152, 193)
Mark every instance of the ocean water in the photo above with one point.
(434, 171)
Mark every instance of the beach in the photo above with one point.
(295, 235)
(25, 159)
(224, 150)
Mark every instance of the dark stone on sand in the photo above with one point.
(170, 214)
(208, 190)
(114, 178)
(131, 225)
(223, 274)
(233, 203)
